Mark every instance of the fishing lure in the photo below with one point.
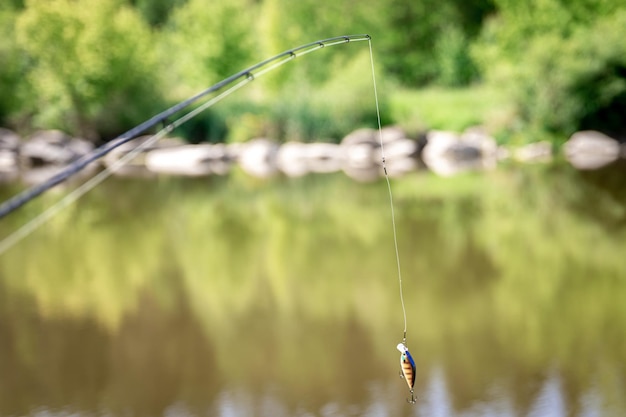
(407, 369)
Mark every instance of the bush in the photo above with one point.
(208, 126)
(305, 111)
(428, 41)
(201, 45)
(286, 24)
(455, 65)
(156, 12)
(10, 69)
(99, 77)
(564, 65)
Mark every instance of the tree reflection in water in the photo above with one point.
(241, 298)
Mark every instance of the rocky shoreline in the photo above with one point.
(359, 155)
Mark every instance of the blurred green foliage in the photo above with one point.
(96, 70)
(430, 108)
(101, 73)
(156, 12)
(564, 63)
(299, 111)
(11, 65)
(202, 45)
(427, 41)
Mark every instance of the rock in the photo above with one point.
(358, 149)
(258, 157)
(189, 160)
(223, 164)
(591, 150)
(534, 152)
(324, 157)
(363, 153)
(401, 167)
(440, 153)
(9, 154)
(503, 153)
(233, 150)
(399, 149)
(292, 159)
(448, 153)
(358, 155)
(477, 137)
(362, 174)
(297, 159)
(52, 147)
(129, 159)
(9, 140)
(400, 156)
(360, 136)
(391, 134)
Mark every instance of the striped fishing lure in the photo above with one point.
(407, 366)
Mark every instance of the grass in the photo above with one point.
(453, 109)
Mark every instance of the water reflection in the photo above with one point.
(279, 299)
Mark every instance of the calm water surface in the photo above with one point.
(235, 297)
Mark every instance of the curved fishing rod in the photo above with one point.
(247, 75)
(238, 80)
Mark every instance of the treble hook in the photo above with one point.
(412, 400)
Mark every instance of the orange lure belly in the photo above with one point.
(408, 369)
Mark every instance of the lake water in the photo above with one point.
(239, 297)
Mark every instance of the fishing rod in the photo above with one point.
(244, 77)
(236, 81)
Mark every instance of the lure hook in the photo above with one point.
(412, 400)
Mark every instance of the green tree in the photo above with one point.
(203, 44)
(563, 63)
(11, 66)
(93, 70)
(12, 5)
(286, 24)
(156, 12)
(423, 39)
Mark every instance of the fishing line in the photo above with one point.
(393, 216)
(241, 78)
(407, 364)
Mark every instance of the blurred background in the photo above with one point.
(277, 295)
(525, 71)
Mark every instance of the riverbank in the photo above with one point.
(359, 155)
